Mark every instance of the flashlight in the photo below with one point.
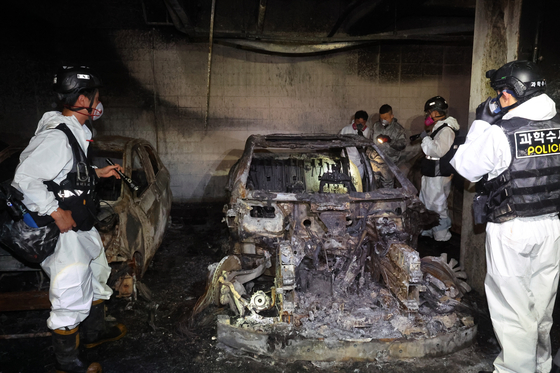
(126, 179)
(383, 139)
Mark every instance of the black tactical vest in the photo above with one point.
(441, 166)
(531, 184)
(77, 192)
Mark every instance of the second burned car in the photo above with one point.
(132, 222)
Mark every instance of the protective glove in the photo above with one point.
(483, 112)
(418, 136)
(383, 139)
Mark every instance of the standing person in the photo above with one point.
(357, 127)
(58, 184)
(512, 150)
(436, 187)
(391, 139)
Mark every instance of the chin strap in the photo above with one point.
(508, 108)
(89, 114)
(519, 101)
(504, 110)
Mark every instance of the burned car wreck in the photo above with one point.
(323, 263)
(131, 222)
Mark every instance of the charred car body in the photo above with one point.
(131, 222)
(323, 265)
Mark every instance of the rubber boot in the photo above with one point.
(67, 351)
(95, 330)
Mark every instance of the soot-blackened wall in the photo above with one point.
(156, 85)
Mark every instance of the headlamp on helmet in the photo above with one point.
(70, 79)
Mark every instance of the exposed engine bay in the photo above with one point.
(323, 263)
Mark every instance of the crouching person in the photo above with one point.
(57, 183)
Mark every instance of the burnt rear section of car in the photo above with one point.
(134, 236)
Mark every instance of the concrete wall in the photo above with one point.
(496, 41)
(257, 93)
(156, 86)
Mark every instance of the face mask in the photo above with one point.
(358, 126)
(97, 112)
(495, 106)
(429, 121)
(385, 123)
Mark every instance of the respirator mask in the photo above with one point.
(495, 106)
(93, 115)
(97, 112)
(385, 123)
(429, 120)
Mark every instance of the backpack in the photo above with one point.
(35, 244)
(29, 244)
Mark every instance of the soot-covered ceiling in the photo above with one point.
(282, 26)
(288, 26)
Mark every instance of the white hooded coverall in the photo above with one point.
(78, 268)
(353, 153)
(522, 254)
(435, 190)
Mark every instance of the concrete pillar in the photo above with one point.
(496, 39)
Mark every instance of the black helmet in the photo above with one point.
(523, 77)
(436, 103)
(71, 78)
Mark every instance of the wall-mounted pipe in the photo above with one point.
(537, 38)
(210, 43)
(260, 19)
(308, 46)
(287, 49)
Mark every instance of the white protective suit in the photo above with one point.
(435, 190)
(78, 268)
(353, 152)
(522, 254)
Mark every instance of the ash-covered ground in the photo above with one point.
(160, 340)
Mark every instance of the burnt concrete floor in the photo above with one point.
(159, 339)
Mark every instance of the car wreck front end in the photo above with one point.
(323, 263)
